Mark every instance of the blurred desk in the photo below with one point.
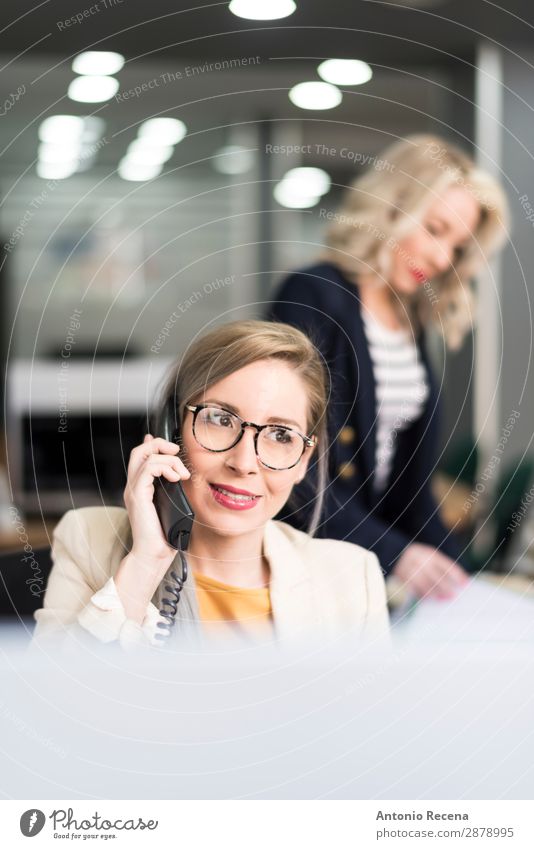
(485, 611)
(517, 583)
(398, 595)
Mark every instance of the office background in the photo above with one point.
(108, 274)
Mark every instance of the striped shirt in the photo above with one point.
(401, 390)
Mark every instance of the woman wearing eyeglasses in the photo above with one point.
(249, 400)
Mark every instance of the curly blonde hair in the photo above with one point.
(385, 205)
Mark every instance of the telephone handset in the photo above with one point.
(176, 518)
(173, 509)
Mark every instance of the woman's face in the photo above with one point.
(432, 247)
(265, 392)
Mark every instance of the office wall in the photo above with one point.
(126, 256)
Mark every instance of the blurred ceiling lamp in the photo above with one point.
(98, 63)
(56, 170)
(262, 10)
(93, 89)
(163, 130)
(301, 188)
(311, 181)
(148, 154)
(233, 159)
(61, 128)
(59, 152)
(136, 171)
(345, 71)
(292, 197)
(67, 144)
(314, 95)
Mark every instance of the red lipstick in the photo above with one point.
(232, 497)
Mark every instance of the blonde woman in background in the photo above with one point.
(400, 256)
(248, 407)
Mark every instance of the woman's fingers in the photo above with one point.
(154, 467)
(415, 572)
(170, 467)
(448, 577)
(155, 457)
(150, 445)
(431, 574)
(428, 583)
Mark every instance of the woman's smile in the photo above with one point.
(233, 498)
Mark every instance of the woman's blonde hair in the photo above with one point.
(383, 206)
(230, 347)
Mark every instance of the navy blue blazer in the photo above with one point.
(326, 306)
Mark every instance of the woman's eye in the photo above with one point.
(282, 436)
(222, 419)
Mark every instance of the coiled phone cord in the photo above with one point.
(172, 603)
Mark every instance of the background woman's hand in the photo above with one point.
(429, 573)
(154, 458)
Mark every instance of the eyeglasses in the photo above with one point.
(277, 447)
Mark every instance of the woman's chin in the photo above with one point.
(231, 525)
(406, 286)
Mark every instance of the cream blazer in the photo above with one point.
(323, 590)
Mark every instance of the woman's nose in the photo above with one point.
(442, 258)
(242, 457)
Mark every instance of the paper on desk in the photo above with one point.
(481, 612)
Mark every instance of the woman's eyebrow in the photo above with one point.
(270, 420)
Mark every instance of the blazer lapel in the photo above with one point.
(294, 605)
(363, 380)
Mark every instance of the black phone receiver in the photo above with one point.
(174, 512)
(173, 509)
(176, 518)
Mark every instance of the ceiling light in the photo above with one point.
(93, 89)
(310, 181)
(345, 71)
(262, 10)
(67, 129)
(59, 152)
(98, 62)
(56, 170)
(163, 130)
(150, 155)
(292, 197)
(233, 159)
(129, 170)
(315, 95)
(61, 128)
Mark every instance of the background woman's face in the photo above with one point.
(432, 247)
(268, 391)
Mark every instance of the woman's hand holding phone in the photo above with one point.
(143, 568)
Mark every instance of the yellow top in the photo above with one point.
(228, 610)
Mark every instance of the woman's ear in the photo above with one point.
(303, 465)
